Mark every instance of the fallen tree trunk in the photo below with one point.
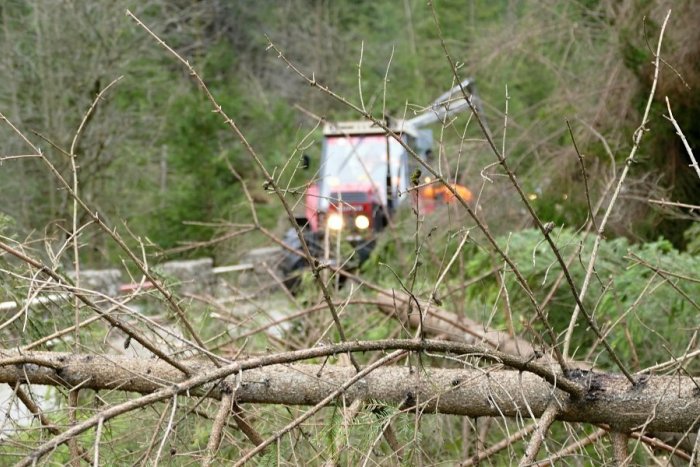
(440, 322)
(656, 403)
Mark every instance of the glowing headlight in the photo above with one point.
(361, 222)
(335, 222)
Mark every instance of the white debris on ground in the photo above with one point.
(190, 276)
(235, 287)
(14, 416)
(103, 281)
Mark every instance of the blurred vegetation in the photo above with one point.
(155, 155)
(651, 305)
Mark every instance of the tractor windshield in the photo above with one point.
(359, 162)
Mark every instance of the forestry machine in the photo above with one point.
(364, 177)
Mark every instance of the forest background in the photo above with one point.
(157, 149)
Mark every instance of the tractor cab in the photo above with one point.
(363, 176)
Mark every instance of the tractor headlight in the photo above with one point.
(335, 222)
(361, 222)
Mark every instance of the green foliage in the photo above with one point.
(7, 225)
(332, 431)
(692, 236)
(649, 306)
(625, 293)
(201, 186)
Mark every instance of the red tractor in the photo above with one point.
(364, 177)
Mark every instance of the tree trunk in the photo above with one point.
(659, 403)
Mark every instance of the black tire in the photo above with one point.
(292, 265)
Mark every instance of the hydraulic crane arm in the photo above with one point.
(447, 105)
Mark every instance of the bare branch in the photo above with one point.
(693, 161)
(217, 428)
(543, 424)
(619, 443)
(501, 445)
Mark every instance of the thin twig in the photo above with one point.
(572, 448)
(585, 175)
(693, 161)
(457, 253)
(168, 429)
(217, 428)
(98, 436)
(668, 363)
(74, 173)
(662, 202)
(664, 274)
(543, 424)
(501, 445)
(359, 75)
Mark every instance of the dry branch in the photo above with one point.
(543, 424)
(689, 150)
(501, 445)
(217, 430)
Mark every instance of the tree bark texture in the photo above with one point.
(656, 403)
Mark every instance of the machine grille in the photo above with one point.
(350, 197)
